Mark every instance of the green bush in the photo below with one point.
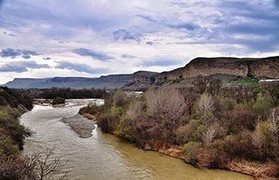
(191, 150)
(126, 130)
(184, 133)
(227, 104)
(9, 122)
(108, 123)
(7, 146)
(262, 105)
(58, 100)
(117, 111)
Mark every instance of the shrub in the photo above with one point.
(3, 101)
(9, 122)
(238, 120)
(227, 104)
(108, 123)
(210, 133)
(58, 100)
(262, 105)
(238, 146)
(191, 151)
(197, 136)
(117, 111)
(119, 98)
(7, 146)
(166, 103)
(126, 130)
(136, 109)
(184, 133)
(205, 104)
(92, 110)
(262, 141)
(273, 124)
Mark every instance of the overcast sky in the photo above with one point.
(47, 38)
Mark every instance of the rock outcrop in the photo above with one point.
(243, 67)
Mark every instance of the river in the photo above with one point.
(103, 156)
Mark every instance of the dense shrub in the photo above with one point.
(216, 126)
(108, 123)
(11, 126)
(165, 103)
(92, 109)
(126, 130)
(227, 104)
(58, 100)
(3, 101)
(15, 98)
(273, 124)
(238, 146)
(119, 98)
(236, 120)
(184, 133)
(191, 151)
(205, 104)
(262, 105)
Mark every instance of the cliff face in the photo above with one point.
(267, 68)
(258, 68)
(109, 82)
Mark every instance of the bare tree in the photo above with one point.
(45, 166)
(258, 138)
(135, 109)
(205, 104)
(39, 166)
(273, 121)
(119, 98)
(273, 124)
(167, 103)
(210, 134)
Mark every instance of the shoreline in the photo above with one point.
(257, 171)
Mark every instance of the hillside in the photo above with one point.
(224, 68)
(108, 82)
(240, 67)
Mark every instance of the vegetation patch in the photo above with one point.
(215, 126)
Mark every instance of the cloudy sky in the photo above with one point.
(47, 38)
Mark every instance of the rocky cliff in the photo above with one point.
(244, 67)
(108, 82)
(221, 67)
(224, 68)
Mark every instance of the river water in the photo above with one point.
(103, 156)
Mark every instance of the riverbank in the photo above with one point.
(207, 126)
(256, 170)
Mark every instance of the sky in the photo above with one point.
(90, 38)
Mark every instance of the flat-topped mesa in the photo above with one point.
(255, 67)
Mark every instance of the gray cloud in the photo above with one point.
(93, 54)
(13, 53)
(82, 68)
(123, 34)
(21, 66)
(162, 62)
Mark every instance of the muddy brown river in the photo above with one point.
(103, 156)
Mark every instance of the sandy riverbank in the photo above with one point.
(81, 125)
